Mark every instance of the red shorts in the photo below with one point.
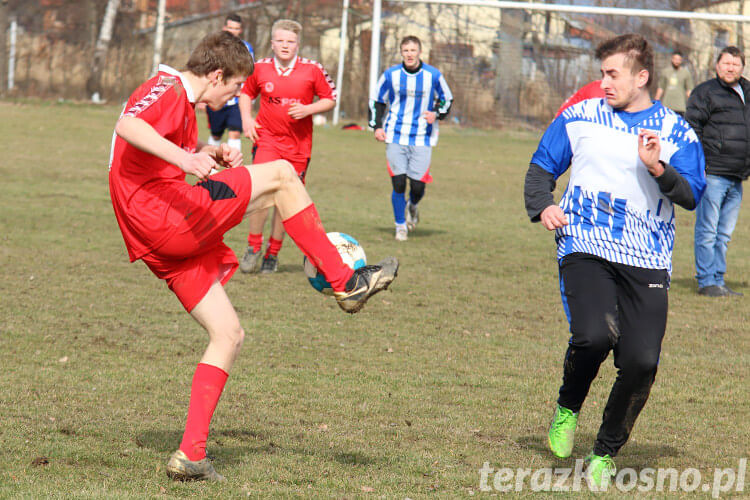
(264, 154)
(195, 257)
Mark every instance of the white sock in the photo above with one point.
(235, 144)
(401, 226)
(212, 141)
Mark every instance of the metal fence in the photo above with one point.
(504, 66)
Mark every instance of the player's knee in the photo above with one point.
(639, 366)
(417, 189)
(399, 183)
(592, 338)
(286, 172)
(236, 337)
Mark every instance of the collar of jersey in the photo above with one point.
(636, 117)
(163, 68)
(412, 71)
(280, 70)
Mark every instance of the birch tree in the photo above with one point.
(93, 85)
(3, 46)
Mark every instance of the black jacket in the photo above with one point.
(722, 122)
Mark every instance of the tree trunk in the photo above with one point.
(4, 23)
(94, 83)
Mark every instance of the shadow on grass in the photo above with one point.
(417, 233)
(354, 458)
(166, 441)
(690, 285)
(634, 455)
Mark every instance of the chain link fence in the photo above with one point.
(504, 66)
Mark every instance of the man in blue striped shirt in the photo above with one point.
(631, 160)
(416, 95)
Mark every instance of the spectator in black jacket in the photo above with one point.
(719, 111)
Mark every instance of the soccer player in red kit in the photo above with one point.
(283, 129)
(178, 229)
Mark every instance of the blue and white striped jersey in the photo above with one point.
(615, 208)
(408, 96)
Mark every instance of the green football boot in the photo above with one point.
(600, 471)
(562, 432)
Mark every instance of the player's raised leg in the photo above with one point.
(276, 183)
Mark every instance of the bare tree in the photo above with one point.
(94, 83)
(3, 48)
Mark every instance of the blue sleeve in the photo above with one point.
(249, 48)
(691, 164)
(444, 94)
(554, 153)
(383, 89)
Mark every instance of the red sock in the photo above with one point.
(208, 382)
(255, 241)
(274, 246)
(307, 231)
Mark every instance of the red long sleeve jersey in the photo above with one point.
(278, 90)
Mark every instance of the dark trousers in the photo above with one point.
(615, 307)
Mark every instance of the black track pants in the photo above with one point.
(618, 307)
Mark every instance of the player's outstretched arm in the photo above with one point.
(143, 136)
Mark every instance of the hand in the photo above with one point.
(298, 111)
(553, 218)
(430, 116)
(198, 164)
(201, 106)
(649, 149)
(250, 129)
(380, 134)
(228, 157)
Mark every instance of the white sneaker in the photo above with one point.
(402, 234)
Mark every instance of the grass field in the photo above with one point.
(456, 366)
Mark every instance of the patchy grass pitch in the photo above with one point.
(456, 366)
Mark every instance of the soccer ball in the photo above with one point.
(351, 253)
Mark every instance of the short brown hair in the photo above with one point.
(636, 49)
(732, 51)
(221, 50)
(410, 39)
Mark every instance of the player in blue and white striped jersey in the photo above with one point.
(631, 160)
(416, 95)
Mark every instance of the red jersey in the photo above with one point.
(279, 88)
(148, 192)
(588, 91)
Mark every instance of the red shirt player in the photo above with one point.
(283, 129)
(178, 229)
